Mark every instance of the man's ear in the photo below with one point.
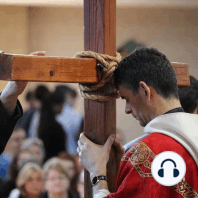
(144, 90)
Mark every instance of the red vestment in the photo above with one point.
(135, 178)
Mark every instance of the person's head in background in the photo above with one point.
(120, 136)
(57, 100)
(71, 97)
(71, 167)
(189, 96)
(68, 93)
(19, 160)
(15, 141)
(56, 179)
(41, 94)
(36, 148)
(30, 100)
(62, 90)
(29, 181)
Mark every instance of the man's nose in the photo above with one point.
(128, 109)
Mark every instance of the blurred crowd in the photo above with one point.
(40, 159)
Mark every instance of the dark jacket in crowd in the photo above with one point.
(8, 123)
(6, 188)
(50, 131)
(54, 139)
(26, 119)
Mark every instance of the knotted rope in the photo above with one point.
(106, 81)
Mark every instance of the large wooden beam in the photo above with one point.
(100, 117)
(47, 69)
(61, 69)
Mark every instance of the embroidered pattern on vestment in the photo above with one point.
(141, 157)
(185, 189)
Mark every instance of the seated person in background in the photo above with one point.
(24, 122)
(31, 126)
(49, 130)
(11, 149)
(36, 148)
(18, 162)
(70, 119)
(189, 96)
(70, 164)
(56, 179)
(29, 182)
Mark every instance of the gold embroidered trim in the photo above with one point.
(140, 154)
(184, 189)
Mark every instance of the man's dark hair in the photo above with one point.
(150, 66)
(189, 96)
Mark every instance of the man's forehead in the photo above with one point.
(124, 91)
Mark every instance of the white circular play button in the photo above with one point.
(168, 168)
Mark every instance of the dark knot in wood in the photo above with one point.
(51, 72)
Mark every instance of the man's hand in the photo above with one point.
(13, 89)
(119, 150)
(94, 157)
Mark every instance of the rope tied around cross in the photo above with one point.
(106, 66)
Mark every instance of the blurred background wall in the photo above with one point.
(58, 30)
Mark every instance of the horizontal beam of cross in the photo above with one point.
(61, 69)
(47, 69)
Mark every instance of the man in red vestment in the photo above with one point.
(147, 81)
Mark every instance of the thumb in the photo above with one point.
(110, 141)
(118, 147)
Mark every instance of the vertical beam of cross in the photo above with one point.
(100, 117)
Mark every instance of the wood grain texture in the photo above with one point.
(182, 72)
(5, 67)
(100, 117)
(60, 69)
(47, 69)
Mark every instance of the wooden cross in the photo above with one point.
(99, 36)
